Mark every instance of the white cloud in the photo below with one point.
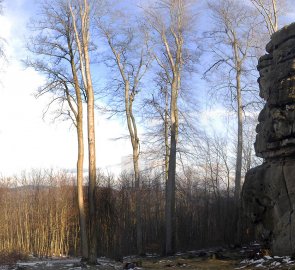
(27, 141)
(217, 119)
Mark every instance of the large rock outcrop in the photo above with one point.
(268, 195)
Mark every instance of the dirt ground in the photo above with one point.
(155, 264)
(196, 264)
(216, 259)
(172, 263)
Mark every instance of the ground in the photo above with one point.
(214, 259)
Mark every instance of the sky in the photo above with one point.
(27, 141)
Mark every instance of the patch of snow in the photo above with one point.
(286, 259)
(277, 257)
(255, 244)
(28, 263)
(259, 261)
(244, 261)
(267, 258)
(275, 264)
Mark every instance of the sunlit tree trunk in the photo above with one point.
(92, 170)
(80, 161)
(240, 124)
(82, 36)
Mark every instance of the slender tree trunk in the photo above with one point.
(240, 127)
(239, 144)
(166, 134)
(91, 141)
(170, 185)
(92, 174)
(239, 162)
(139, 243)
(132, 128)
(275, 14)
(82, 37)
(82, 213)
(80, 160)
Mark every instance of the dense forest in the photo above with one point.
(155, 60)
(40, 216)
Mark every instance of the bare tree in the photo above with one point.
(268, 10)
(156, 114)
(130, 53)
(55, 56)
(39, 214)
(80, 13)
(232, 42)
(171, 21)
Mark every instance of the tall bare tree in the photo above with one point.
(80, 13)
(130, 53)
(171, 21)
(55, 53)
(232, 40)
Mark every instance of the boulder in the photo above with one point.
(268, 195)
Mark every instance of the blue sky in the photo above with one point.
(27, 141)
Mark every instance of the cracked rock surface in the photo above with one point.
(268, 195)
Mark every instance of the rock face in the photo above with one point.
(268, 195)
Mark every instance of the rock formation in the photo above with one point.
(268, 195)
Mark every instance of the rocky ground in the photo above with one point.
(252, 257)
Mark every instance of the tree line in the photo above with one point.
(152, 51)
(40, 217)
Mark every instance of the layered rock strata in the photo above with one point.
(268, 195)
